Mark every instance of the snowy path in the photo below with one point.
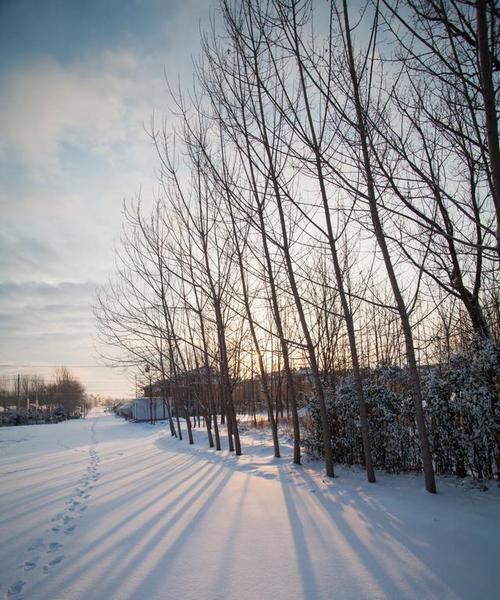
(102, 509)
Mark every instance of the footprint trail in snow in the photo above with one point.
(46, 553)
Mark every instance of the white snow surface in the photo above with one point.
(102, 509)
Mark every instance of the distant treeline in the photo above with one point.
(29, 398)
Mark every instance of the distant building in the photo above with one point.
(147, 409)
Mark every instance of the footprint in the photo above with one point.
(54, 547)
(16, 588)
(67, 519)
(29, 565)
(55, 529)
(57, 517)
(83, 508)
(52, 563)
(70, 530)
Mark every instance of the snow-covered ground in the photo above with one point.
(102, 509)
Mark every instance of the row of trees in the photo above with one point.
(31, 395)
(330, 199)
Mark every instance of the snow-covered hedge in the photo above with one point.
(461, 406)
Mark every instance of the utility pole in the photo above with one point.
(148, 371)
(18, 391)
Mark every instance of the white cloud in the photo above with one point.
(93, 104)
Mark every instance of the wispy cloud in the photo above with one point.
(78, 81)
(47, 108)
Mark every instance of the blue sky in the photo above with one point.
(79, 81)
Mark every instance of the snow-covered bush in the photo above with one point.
(462, 411)
(393, 438)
